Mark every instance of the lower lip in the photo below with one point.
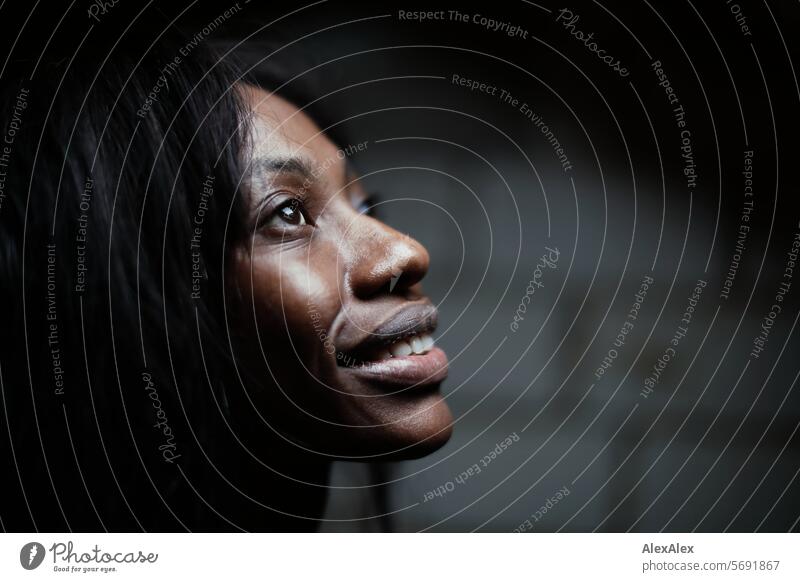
(410, 371)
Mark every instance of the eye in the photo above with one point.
(367, 205)
(288, 214)
(292, 212)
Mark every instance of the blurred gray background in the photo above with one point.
(714, 446)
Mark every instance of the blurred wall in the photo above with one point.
(475, 173)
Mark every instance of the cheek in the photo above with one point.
(296, 294)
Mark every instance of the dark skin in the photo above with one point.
(332, 321)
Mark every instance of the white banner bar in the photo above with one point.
(399, 557)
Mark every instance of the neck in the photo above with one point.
(290, 481)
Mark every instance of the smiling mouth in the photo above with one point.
(406, 332)
(415, 345)
(412, 371)
(400, 351)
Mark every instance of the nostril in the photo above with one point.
(396, 274)
(396, 284)
(391, 266)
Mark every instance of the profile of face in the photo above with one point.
(333, 322)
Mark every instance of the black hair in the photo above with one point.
(118, 212)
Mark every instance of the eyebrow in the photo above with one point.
(292, 165)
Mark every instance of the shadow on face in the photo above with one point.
(335, 328)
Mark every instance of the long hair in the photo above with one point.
(119, 209)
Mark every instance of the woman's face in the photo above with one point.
(336, 329)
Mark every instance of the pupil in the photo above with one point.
(289, 213)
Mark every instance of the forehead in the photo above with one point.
(280, 130)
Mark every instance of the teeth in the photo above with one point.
(415, 345)
(400, 349)
(418, 345)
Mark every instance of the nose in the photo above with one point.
(385, 261)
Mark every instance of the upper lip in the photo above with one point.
(407, 321)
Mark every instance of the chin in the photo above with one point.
(417, 429)
(401, 427)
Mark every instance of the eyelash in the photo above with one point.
(286, 199)
(369, 205)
